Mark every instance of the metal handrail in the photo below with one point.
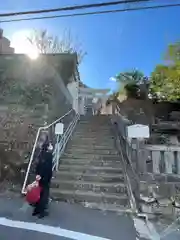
(128, 166)
(34, 148)
(128, 143)
(64, 139)
(48, 126)
(126, 175)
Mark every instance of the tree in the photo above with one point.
(134, 76)
(159, 79)
(165, 79)
(132, 90)
(45, 43)
(133, 83)
(173, 53)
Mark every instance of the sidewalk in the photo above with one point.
(72, 217)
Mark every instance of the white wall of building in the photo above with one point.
(73, 89)
(81, 105)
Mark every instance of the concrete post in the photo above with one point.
(178, 162)
(168, 159)
(143, 156)
(156, 160)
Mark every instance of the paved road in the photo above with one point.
(70, 221)
(7, 233)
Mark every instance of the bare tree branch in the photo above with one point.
(47, 43)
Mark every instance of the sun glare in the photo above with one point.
(21, 44)
(33, 55)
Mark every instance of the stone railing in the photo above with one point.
(162, 159)
(153, 172)
(146, 158)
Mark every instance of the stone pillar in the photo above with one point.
(178, 162)
(156, 160)
(143, 156)
(168, 159)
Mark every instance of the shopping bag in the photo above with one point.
(33, 192)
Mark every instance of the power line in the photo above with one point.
(94, 13)
(72, 8)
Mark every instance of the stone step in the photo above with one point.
(96, 136)
(90, 169)
(101, 157)
(103, 126)
(94, 120)
(81, 127)
(92, 147)
(74, 145)
(93, 131)
(102, 116)
(100, 163)
(90, 128)
(90, 186)
(89, 196)
(100, 127)
(94, 141)
(93, 177)
(102, 139)
(87, 150)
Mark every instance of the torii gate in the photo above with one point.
(90, 96)
(83, 97)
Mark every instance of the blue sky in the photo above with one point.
(114, 42)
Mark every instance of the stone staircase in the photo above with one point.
(90, 170)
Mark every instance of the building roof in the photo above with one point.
(81, 84)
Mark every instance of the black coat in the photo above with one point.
(44, 168)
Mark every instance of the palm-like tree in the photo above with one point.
(133, 82)
(134, 76)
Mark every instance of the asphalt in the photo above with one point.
(7, 233)
(67, 216)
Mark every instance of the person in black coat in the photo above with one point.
(44, 173)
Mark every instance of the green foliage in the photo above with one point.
(134, 76)
(165, 79)
(130, 83)
(173, 53)
(132, 90)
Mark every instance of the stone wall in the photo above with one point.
(145, 111)
(19, 121)
(18, 127)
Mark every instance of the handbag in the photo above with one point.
(33, 192)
